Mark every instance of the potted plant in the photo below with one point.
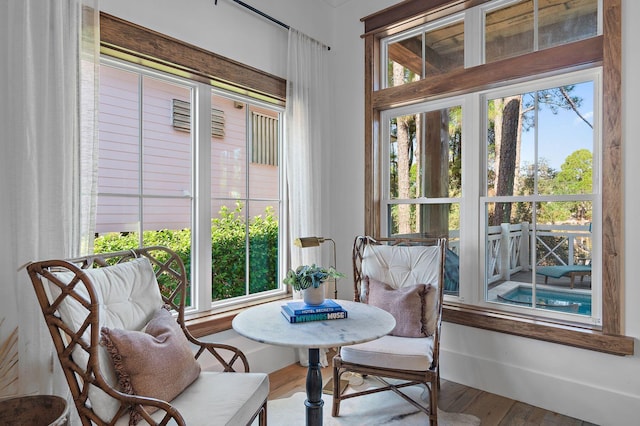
(308, 278)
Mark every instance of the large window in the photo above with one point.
(506, 145)
(540, 208)
(423, 186)
(194, 168)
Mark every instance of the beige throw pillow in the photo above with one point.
(413, 307)
(156, 362)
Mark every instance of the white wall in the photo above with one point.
(599, 388)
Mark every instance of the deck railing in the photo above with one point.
(509, 248)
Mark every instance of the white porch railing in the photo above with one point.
(509, 248)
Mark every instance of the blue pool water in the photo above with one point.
(550, 299)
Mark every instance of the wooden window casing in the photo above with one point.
(133, 43)
(603, 50)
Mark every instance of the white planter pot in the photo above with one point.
(313, 295)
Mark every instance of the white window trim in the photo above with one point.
(200, 196)
(595, 75)
(242, 301)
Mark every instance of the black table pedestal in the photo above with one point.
(314, 400)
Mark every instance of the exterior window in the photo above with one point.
(424, 181)
(519, 201)
(245, 203)
(513, 28)
(153, 148)
(509, 31)
(424, 52)
(144, 165)
(548, 210)
(540, 198)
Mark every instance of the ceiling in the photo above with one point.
(335, 3)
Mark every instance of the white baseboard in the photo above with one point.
(580, 399)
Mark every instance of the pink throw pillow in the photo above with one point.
(157, 362)
(413, 307)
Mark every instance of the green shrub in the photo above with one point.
(228, 251)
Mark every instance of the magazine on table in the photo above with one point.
(322, 316)
(298, 307)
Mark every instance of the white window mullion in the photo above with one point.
(246, 201)
(474, 140)
(201, 241)
(473, 45)
(385, 129)
(140, 160)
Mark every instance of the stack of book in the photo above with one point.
(298, 311)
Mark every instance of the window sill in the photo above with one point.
(535, 328)
(204, 324)
(576, 336)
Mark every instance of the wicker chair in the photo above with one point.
(407, 360)
(80, 296)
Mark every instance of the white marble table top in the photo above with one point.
(265, 324)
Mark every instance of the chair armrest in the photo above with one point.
(171, 412)
(228, 356)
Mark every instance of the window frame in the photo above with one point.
(212, 74)
(388, 114)
(602, 50)
(593, 75)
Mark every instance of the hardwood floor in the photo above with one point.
(490, 408)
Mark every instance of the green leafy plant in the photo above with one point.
(229, 250)
(306, 276)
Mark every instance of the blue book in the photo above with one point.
(323, 316)
(299, 307)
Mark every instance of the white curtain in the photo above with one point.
(308, 123)
(47, 162)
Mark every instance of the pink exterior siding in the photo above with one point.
(167, 157)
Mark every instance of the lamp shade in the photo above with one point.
(308, 241)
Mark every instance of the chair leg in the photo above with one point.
(433, 403)
(335, 408)
(262, 417)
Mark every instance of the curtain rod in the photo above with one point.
(264, 15)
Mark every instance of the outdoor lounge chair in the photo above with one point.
(117, 323)
(559, 271)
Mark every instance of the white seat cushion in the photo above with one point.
(219, 399)
(400, 353)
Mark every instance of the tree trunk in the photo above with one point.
(497, 130)
(510, 130)
(404, 162)
(435, 217)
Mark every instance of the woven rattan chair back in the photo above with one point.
(429, 377)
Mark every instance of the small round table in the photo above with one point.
(265, 324)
